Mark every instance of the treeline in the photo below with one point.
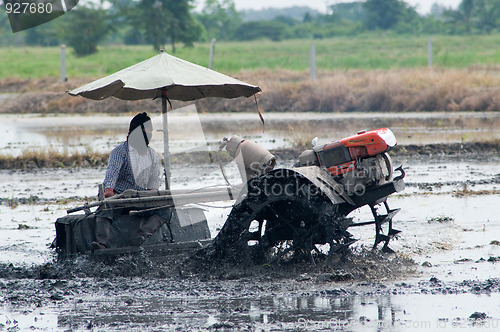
(170, 22)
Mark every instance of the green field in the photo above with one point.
(365, 52)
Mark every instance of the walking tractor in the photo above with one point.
(290, 211)
(278, 213)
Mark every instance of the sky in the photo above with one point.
(422, 6)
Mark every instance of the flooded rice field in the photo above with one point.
(187, 127)
(444, 275)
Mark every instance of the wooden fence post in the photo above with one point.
(429, 52)
(63, 63)
(211, 56)
(313, 62)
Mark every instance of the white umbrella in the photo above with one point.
(167, 77)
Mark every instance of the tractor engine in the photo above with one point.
(357, 162)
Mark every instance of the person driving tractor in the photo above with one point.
(132, 165)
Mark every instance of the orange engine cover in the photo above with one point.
(375, 141)
(340, 156)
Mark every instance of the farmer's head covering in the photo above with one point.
(138, 120)
(141, 123)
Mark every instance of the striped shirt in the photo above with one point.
(127, 169)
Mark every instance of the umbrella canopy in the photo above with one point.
(181, 79)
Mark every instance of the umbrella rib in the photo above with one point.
(201, 92)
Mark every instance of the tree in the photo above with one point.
(274, 30)
(163, 21)
(462, 16)
(220, 18)
(151, 17)
(181, 26)
(383, 14)
(84, 28)
(487, 15)
(288, 20)
(352, 11)
(43, 35)
(437, 10)
(122, 15)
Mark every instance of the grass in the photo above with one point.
(47, 158)
(368, 52)
(40, 62)
(372, 72)
(474, 88)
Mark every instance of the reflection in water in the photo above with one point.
(332, 312)
(376, 310)
(355, 311)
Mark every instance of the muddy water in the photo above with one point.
(450, 224)
(189, 129)
(278, 312)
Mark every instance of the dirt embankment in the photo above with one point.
(34, 160)
(402, 90)
(470, 150)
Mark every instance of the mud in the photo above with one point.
(137, 294)
(167, 290)
(451, 151)
(443, 276)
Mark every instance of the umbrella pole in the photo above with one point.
(166, 150)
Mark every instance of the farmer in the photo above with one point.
(132, 165)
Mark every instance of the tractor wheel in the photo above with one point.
(283, 217)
